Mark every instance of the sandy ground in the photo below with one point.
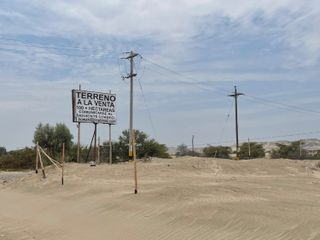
(184, 198)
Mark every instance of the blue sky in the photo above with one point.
(194, 52)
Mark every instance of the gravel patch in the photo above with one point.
(8, 177)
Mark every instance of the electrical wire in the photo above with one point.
(262, 138)
(274, 103)
(184, 76)
(22, 44)
(195, 81)
(282, 105)
(28, 43)
(287, 135)
(226, 121)
(146, 105)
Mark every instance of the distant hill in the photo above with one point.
(310, 144)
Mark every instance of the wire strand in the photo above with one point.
(146, 106)
(282, 105)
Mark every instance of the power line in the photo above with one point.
(28, 43)
(104, 52)
(283, 105)
(184, 76)
(21, 44)
(259, 138)
(225, 122)
(287, 135)
(143, 96)
(147, 108)
(275, 103)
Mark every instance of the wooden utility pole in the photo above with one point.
(235, 95)
(78, 144)
(131, 57)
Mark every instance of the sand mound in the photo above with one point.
(183, 198)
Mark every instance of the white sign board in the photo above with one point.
(93, 107)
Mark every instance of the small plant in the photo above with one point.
(318, 165)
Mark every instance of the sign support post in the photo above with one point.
(93, 107)
(78, 144)
(98, 161)
(95, 143)
(110, 145)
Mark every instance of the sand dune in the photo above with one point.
(184, 198)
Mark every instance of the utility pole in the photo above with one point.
(235, 95)
(132, 154)
(193, 145)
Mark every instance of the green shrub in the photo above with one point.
(291, 151)
(51, 138)
(3, 151)
(256, 150)
(217, 151)
(183, 150)
(18, 159)
(145, 147)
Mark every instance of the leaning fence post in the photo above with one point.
(37, 158)
(41, 163)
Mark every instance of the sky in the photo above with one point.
(191, 55)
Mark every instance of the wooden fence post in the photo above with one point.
(62, 164)
(41, 163)
(37, 158)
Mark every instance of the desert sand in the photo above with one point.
(183, 198)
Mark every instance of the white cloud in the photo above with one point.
(208, 40)
(168, 21)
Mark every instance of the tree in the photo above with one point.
(145, 147)
(217, 151)
(62, 135)
(151, 148)
(256, 150)
(72, 157)
(52, 138)
(3, 151)
(291, 151)
(44, 136)
(182, 150)
(18, 159)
